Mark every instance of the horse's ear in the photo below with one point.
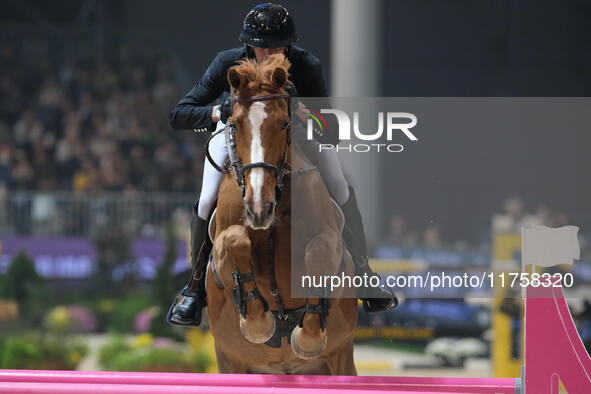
(279, 76)
(236, 79)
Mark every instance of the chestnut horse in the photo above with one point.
(257, 326)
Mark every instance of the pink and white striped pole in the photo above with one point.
(22, 381)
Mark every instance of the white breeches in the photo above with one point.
(212, 177)
(327, 162)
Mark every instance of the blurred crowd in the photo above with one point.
(511, 218)
(92, 119)
(89, 117)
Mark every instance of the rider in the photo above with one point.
(268, 29)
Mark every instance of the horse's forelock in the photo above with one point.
(273, 62)
(259, 74)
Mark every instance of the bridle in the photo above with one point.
(280, 170)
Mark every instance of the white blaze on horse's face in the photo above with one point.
(256, 116)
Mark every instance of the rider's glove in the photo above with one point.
(226, 110)
(291, 89)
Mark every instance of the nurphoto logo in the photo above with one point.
(396, 124)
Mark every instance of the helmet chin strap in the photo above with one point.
(249, 51)
(287, 51)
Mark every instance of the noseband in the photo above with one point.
(280, 170)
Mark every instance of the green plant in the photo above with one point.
(113, 253)
(22, 284)
(158, 360)
(120, 319)
(109, 352)
(19, 352)
(36, 351)
(163, 287)
(18, 280)
(163, 284)
(118, 355)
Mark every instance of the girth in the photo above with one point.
(284, 327)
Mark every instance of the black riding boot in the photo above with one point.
(378, 299)
(186, 308)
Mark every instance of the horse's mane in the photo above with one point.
(259, 74)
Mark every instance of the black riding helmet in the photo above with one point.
(268, 25)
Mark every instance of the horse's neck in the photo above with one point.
(297, 158)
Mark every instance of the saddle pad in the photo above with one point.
(211, 225)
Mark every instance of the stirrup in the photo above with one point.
(194, 322)
(369, 304)
(387, 293)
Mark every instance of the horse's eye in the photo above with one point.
(285, 125)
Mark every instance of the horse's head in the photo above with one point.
(261, 119)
